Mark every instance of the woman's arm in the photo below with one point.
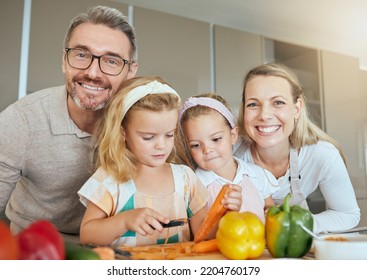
(342, 211)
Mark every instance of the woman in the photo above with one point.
(278, 135)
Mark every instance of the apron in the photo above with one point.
(172, 205)
(297, 197)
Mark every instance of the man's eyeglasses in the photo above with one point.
(82, 59)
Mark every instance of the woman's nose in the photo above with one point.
(266, 112)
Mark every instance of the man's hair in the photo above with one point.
(108, 16)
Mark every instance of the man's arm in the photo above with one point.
(13, 136)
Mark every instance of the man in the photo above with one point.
(47, 150)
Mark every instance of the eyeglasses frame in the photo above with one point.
(98, 57)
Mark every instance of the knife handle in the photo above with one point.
(175, 223)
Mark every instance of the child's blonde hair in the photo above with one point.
(193, 112)
(113, 155)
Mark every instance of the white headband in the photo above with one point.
(211, 103)
(139, 92)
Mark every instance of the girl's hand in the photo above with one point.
(233, 200)
(144, 221)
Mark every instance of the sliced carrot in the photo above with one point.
(167, 236)
(215, 213)
(105, 253)
(205, 246)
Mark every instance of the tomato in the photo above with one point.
(41, 241)
(8, 243)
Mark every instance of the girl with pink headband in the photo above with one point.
(208, 131)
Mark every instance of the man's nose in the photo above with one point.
(94, 70)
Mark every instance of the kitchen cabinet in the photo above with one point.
(175, 48)
(236, 52)
(362, 192)
(345, 95)
(10, 12)
(344, 114)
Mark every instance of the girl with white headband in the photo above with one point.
(137, 189)
(208, 129)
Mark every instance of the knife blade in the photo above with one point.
(119, 254)
(176, 223)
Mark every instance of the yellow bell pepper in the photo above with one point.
(241, 236)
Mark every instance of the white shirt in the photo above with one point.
(250, 177)
(320, 165)
(253, 171)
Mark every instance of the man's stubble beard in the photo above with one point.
(74, 96)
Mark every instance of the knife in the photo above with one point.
(119, 254)
(175, 223)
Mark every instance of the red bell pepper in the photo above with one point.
(41, 241)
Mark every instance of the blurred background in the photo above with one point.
(208, 46)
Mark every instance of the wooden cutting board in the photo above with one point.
(159, 252)
(177, 251)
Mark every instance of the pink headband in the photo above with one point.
(208, 102)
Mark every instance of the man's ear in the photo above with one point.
(133, 68)
(63, 62)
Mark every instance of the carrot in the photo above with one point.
(205, 246)
(167, 236)
(105, 253)
(215, 213)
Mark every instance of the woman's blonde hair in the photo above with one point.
(305, 132)
(113, 155)
(190, 114)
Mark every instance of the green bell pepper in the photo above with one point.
(284, 236)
